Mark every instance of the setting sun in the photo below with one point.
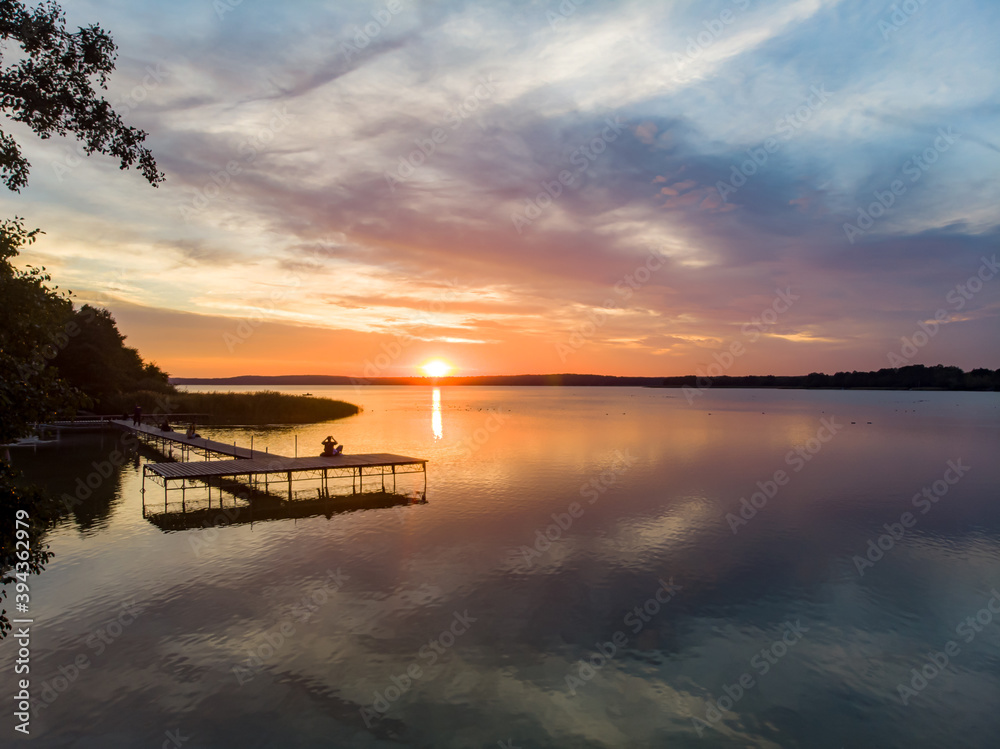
(436, 368)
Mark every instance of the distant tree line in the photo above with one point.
(532, 380)
(914, 376)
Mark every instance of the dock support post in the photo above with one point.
(289, 486)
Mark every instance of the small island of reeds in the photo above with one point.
(260, 408)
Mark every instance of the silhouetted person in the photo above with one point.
(331, 448)
(137, 415)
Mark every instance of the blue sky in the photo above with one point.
(343, 177)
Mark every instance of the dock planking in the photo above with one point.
(255, 464)
(278, 464)
(200, 443)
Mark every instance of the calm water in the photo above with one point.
(456, 623)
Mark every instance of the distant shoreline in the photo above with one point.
(913, 377)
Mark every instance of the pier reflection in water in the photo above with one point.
(261, 508)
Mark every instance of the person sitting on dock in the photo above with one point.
(191, 433)
(331, 448)
(137, 415)
(165, 426)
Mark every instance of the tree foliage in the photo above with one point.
(30, 316)
(95, 359)
(51, 355)
(53, 87)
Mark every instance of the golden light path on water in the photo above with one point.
(436, 424)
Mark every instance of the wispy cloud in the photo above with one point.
(277, 127)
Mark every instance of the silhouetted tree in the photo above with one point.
(96, 360)
(31, 315)
(52, 87)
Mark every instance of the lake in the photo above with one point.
(592, 567)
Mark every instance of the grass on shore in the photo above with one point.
(265, 407)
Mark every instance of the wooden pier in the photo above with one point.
(263, 472)
(197, 445)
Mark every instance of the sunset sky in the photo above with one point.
(623, 188)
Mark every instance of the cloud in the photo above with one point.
(389, 177)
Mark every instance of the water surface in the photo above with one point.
(557, 521)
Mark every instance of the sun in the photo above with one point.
(436, 368)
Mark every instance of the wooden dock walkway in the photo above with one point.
(258, 467)
(268, 464)
(193, 443)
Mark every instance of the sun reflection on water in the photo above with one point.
(436, 414)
